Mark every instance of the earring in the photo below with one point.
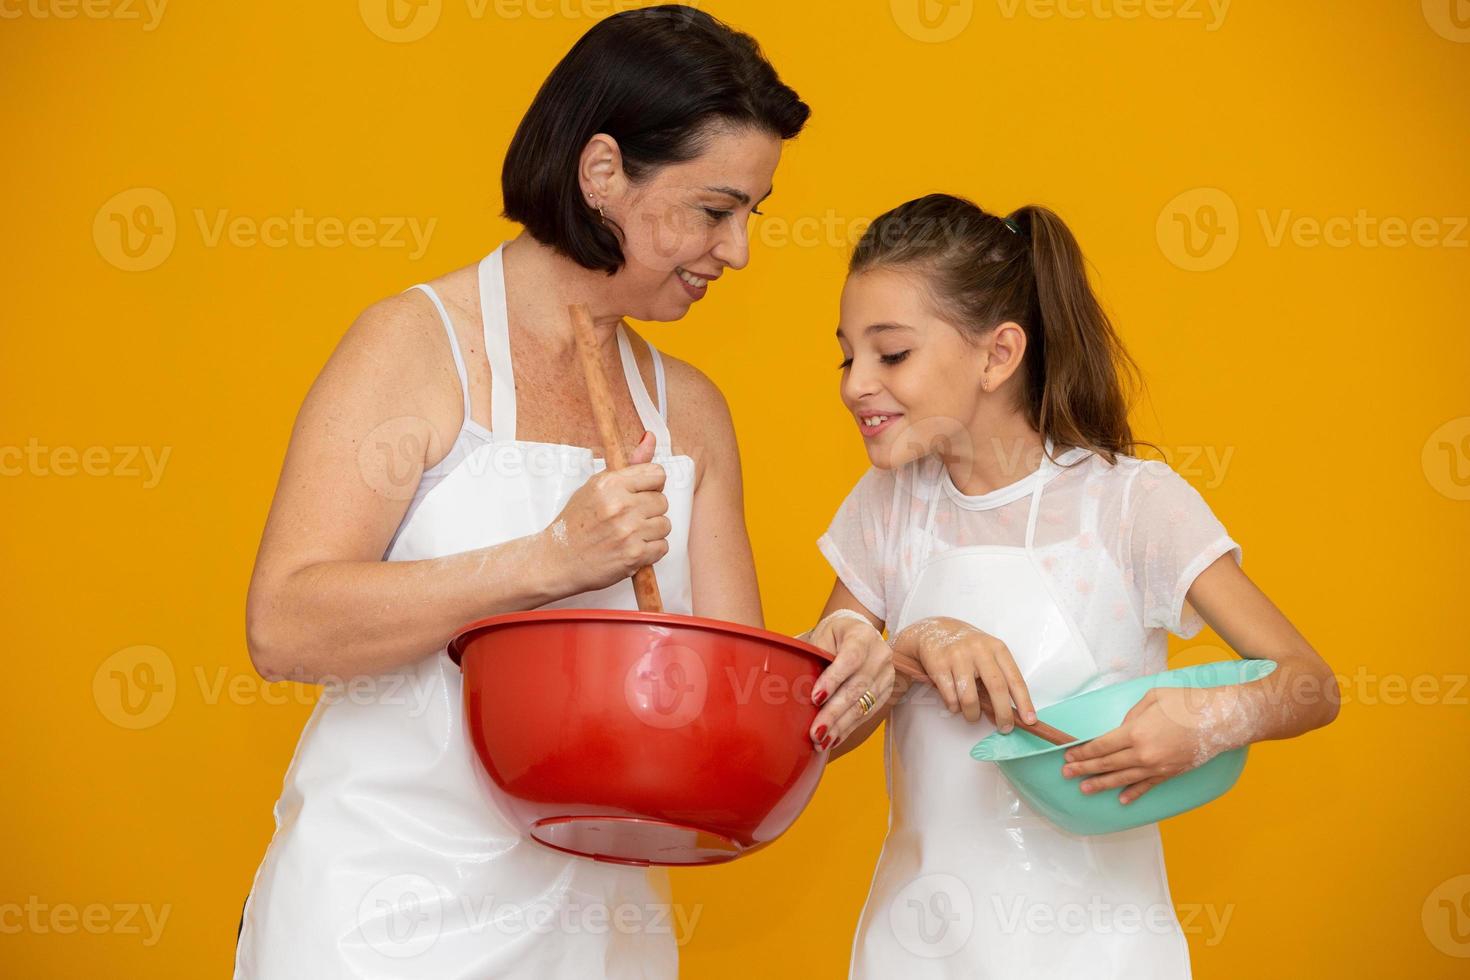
(593, 201)
(984, 383)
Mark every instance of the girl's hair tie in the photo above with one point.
(1011, 224)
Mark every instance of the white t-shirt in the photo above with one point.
(1119, 543)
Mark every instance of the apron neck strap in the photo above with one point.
(497, 347)
(1043, 473)
(648, 414)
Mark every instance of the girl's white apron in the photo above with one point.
(971, 882)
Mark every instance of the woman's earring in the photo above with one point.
(593, 201)
(984, 383)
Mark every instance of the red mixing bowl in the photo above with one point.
(642, 738)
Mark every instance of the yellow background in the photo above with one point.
(1323, 375)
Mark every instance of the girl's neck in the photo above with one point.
(1002, 449)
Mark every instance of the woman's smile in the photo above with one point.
(695, 285)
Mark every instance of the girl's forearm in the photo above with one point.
(342, 619)
(1292, 700)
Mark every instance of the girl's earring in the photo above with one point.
(593, 201)
(984, 383)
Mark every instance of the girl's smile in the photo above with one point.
(872, 423)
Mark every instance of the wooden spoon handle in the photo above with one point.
(645, 583)
(912, 669)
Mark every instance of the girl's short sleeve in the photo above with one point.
(1172, 536)
(854, 542)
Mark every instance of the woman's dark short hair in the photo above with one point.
(653, 79)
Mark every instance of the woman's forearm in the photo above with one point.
(860, 734)
(340, 619)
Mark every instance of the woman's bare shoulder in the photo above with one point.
(395, 358)
(700, 425)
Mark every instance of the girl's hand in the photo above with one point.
(863, 662)
(1169, 731)
(955, 655)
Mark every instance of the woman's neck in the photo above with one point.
(1003, 448)
(547, 283)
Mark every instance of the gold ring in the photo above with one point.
(867, 701)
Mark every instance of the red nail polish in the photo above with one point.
(821, 730)
(827, 742)
(820, 698)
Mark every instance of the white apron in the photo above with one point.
(972, 883)
(390, 858)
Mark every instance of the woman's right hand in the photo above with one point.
(614, 524)
(955, 655)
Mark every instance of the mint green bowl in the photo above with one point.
(1034, 766)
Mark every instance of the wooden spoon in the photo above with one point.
(645, 583)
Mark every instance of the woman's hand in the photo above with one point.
(614, 524)
(863, 663)
(955, 655)
(1169, 731)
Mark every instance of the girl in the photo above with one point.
(1009, 541)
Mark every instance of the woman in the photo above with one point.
(426, 487)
